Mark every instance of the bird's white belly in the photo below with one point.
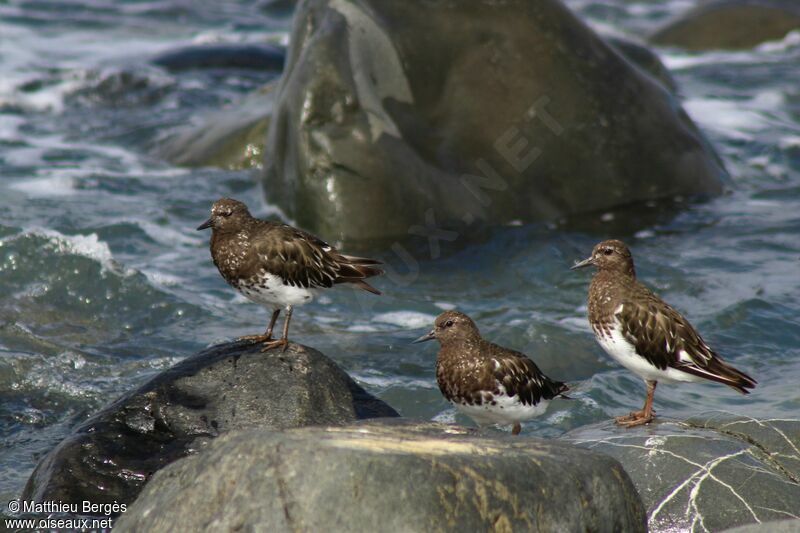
(269, 290)
(507, 410)
(618, 347)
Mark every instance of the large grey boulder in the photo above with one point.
(227, 387)
(730, 24)
(392, 114)
(376, 476)
(709, 473)
(234, 137)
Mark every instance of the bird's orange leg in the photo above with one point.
(646, 415)
(284, 340)
(267, 336)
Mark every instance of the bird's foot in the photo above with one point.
(636, 418)
(254, 338)
(516, 429)
(634, 415)
(278, 343)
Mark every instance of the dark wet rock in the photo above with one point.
(128, 86)
(392, 114)
(228, 138)
(227, 387)
(730, 24)
(644, 58)
(378, 476)
(278, 8)
(221, 56)
(709, 473)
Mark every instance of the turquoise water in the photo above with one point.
(104, 281)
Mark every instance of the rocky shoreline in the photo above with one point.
(229, 387)
(232, 437)
(389, 476)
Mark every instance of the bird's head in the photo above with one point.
(450, 326)
(227, 214)
(611, 255)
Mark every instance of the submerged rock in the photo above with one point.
(229, 138)
(220, 56)
(731, 24)
(227, 387)
(712, 472)
(379, 476)
(391, 115)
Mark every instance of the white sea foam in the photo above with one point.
(648, 8)
(791, 141)
(405, 319)
(42, 187)
(727, 117)
(380, 380)
(9, 127)
(446, 417)
(770, 100)
(576, 323)
(559, 416)
(85, 245)
(677, 61)
(164, 234)
(773, 51)
(790, 40)
(362, 328)
(28, 57)
(162, 279)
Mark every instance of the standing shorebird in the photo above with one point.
(644, 334)
(276, 265)
(490, 384)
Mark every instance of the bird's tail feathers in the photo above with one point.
(361, 284)
(555, 389)
(352, 259)
(723, 373)
(356, 269)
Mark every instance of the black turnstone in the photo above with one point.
(490, 384)
(644, 334)
(276, 265)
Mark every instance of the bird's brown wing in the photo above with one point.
(304, 260)
(666, 339)
(521, 377)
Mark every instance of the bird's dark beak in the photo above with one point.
(589, 261)
(207, 224)
(427, 337)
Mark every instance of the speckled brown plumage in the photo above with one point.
(631, 322)
(244, 246)
(475, 373)
(277, 265)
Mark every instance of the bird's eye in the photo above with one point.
(448, 324)
(226, 213)
(608, 251)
